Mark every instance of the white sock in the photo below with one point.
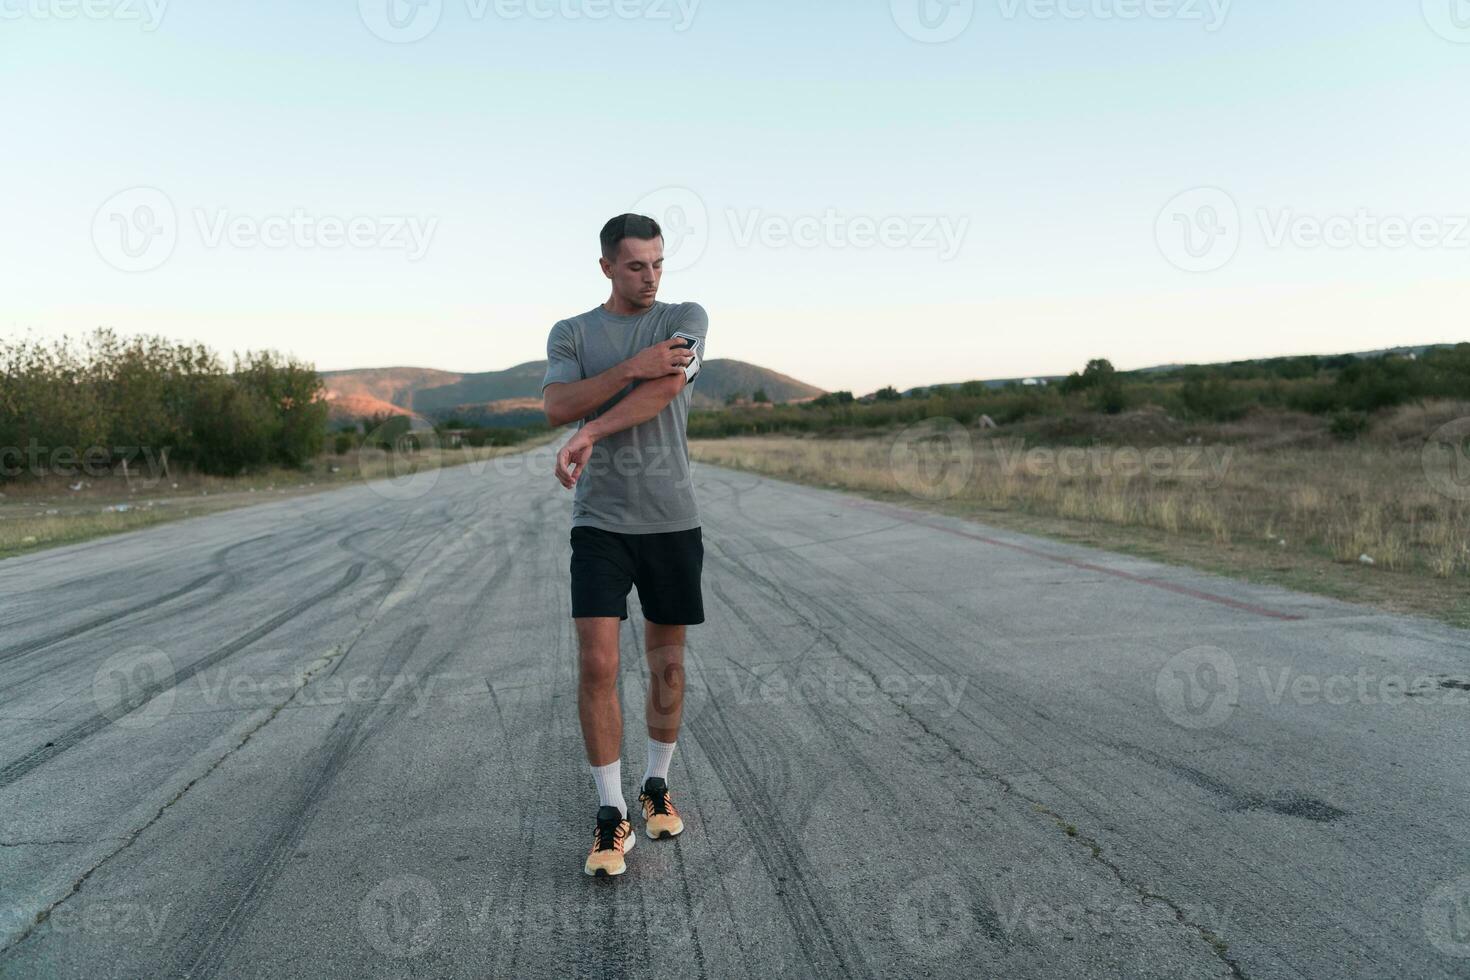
(609, 779)
(660, 754)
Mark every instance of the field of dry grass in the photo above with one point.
(42, 513)
(1273, 498)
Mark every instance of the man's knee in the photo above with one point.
(599, 666)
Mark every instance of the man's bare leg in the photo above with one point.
(602, 734)
(665, 708)
(597, 688)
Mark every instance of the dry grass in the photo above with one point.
(1276, 498)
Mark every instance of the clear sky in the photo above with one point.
(865, 193)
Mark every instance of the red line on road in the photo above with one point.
(1170, 586)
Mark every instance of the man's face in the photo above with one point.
(636, 273)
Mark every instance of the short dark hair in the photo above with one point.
(627, 226)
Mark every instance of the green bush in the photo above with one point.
(1349, 425)
(162, 397)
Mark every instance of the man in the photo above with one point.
(621, 371)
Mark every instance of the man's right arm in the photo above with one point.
(566, 396)
(566, 402)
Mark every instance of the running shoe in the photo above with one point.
(659, 816)
(613, 839)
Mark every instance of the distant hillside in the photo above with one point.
(1415, 351)
(394, 385)
(513, 396)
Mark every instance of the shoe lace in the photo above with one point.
(658, 799)
(609, 834)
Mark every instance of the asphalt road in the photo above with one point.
(336, 736)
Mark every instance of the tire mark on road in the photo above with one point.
(823, 943)
(77, 734)
(228, 578)
(217, 559)
(348, 732)
(41, 642)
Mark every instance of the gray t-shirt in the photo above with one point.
(637, 481)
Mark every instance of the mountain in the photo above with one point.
(1415, 351)
(513, 396)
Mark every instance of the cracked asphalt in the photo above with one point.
(336, 736)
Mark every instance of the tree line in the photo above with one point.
(1346, 388)
(106, 398)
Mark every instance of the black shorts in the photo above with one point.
(666, 567)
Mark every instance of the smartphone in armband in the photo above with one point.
(697, 346)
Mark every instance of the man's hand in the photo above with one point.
(663, 358)
(574, 454)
